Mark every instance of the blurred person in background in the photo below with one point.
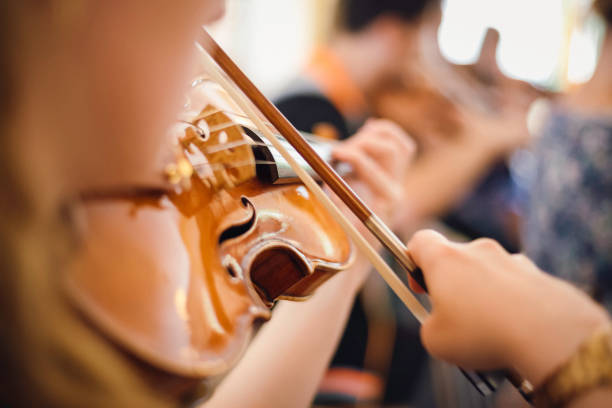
(453, 108)
(568, 223)
(367, 46)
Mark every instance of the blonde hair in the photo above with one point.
(49, 356)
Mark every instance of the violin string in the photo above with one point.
(229, 145)
(221, 127)
(222, 166)
(226, 125)
(238, 143)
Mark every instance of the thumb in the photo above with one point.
(435, 338)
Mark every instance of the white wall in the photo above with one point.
(535, 37)
(269, 39)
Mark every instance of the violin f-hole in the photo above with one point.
(240, 229)
(275, 270)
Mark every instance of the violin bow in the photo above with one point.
(251, 100)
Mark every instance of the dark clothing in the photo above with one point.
(305, 111)
(490, 210)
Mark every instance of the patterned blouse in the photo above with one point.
(568, 222)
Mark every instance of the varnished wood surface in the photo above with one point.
(153, 275)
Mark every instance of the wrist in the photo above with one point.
(588, 370)
(552, 339)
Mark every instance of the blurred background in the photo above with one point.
(546, 42)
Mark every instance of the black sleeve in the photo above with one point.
(305, 111)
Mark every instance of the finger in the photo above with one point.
(486, 249)
(486, 245)
(435, 337)
(384, 152)
(385, 125)
(392, 131)
(425, 248)
(365, 168)
(525, 264)
(386, 129)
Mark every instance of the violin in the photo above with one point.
(178, 279)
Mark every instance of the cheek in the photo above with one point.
(140, 60)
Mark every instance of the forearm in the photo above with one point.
(286, 361)
(439, 179)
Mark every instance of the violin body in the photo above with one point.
(177, 280)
